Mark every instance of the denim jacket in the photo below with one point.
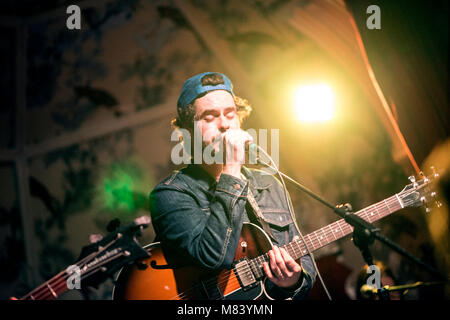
(201, 219)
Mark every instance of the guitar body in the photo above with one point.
(154, 279)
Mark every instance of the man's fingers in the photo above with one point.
(281, 263)
(267, 270)
(274, 265)
(281, 268)
(234, 142)
(290, 263)
(233, 135)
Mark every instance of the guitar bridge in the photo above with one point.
(244, 274)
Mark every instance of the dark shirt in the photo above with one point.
(201, 219)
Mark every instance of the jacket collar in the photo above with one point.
(257, 179)
(202, 177)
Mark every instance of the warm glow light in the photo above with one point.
(314, 103)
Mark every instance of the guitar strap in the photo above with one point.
(257, 213)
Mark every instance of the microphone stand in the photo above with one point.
(403, 288)
(364, 232)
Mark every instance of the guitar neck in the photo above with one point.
(340, 228)
(107, 255)
(51, 289)
(336, 230)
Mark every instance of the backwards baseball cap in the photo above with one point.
(193, 88)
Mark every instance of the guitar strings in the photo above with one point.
(232, 281)
(56, 286)
(362, 213)
(345, 230)
(56, 280)
(62, 282)
(53, 281)
(343, 226)
(346, 227)
(42, 286)
(35, 293)
(207, 283)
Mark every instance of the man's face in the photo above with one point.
(215, 114)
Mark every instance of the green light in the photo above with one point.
(123, 188)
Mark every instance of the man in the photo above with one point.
(198, 212)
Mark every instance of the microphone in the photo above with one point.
(255, 153)
(248, 145)
(251, 147)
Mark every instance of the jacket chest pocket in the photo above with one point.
(278, 220)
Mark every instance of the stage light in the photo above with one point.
(314, 103)
(122, 188)
(118, 190)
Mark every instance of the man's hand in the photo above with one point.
(283, 271)
(234, 141)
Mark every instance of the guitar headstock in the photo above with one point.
(107, 255)
(421, 192)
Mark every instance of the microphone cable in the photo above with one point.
(291, 211)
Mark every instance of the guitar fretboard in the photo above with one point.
(330, 233)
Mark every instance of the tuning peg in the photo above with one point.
(438, 204)
(425, 179)
(424, 203)
(95, 237)
(413, 180)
